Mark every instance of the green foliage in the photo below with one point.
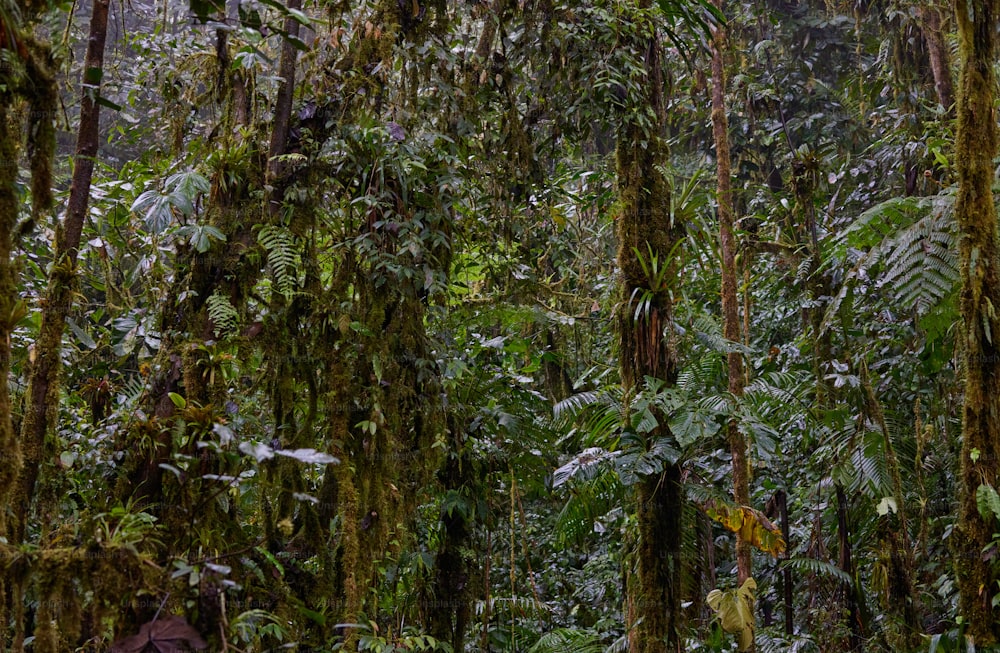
(282, 252)
(911, 251)
(225, 318)
(438, 284)
(177, 197)
(564, 640)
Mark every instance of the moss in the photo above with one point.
(42, 96)
(979, 248)
(10, 448)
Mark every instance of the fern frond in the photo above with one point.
(568, 640)
(283, 257)
(582, 467)
(814, 567)
(223, 314)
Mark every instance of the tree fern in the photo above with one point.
(905, 246)
(588, 504)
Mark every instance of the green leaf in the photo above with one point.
(105, 102)
(82, 335)
(178, 400)
(988, 502)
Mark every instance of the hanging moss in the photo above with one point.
(42, 98)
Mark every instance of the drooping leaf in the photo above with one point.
(752, 525)
(735, 611)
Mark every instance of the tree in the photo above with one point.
(43, 387)
(730, 302)
(645, 335)
(979, 247)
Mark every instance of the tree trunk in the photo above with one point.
(894, 539)
(846, 563)
(730, 304)
(937, 52)
(646, 349)
(975, 149)
(787, 583)
(450, 606)
(659, 582)
(43, 384)
(283, 103)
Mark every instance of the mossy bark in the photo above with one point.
(730, 303)
(646, 347)
(43, 384)
(449, 607)
(979, 248)
(894, 538)
(11, 608)
(10, 446)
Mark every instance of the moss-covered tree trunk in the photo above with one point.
(646, 346)
(975, 212)
(10, 451)
(730, 303)
(43, 384)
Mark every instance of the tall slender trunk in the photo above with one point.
(646, 348)
(846, 564)
(11, 606)
(894, 538)
(43, 384)
(787, 583)
(730, 303)
(979, 246)
(283, 104)
(937, 53)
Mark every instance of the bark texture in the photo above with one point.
(730, 303)
(646, 349)
(975, 149)
(43, 384)
(937, 53)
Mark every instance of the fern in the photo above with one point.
(908, 244)
(583, 467)
(814, 567)
(282, 256)
(568, 640)
(223, 314)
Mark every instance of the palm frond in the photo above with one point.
(587, 505)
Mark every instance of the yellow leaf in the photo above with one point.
(751, 525)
